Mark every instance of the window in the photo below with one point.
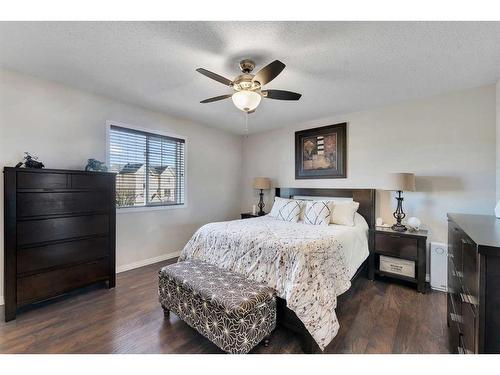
(149, 168)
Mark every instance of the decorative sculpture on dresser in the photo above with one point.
(30, 161)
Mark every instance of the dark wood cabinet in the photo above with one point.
(408, 246)
(59, 230)
(473, 283)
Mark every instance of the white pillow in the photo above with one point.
(303, 203)
(286, 209)
(317, 213)
(343, 213)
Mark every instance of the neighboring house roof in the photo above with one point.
(158, 169)
(163, 170)
(130, 168)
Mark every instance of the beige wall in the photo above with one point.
(65, 127)
(448, 141)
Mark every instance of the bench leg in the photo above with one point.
(166, 313)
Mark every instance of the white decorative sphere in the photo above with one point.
(414, 223)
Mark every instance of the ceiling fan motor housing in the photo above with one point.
(245, 82)
(247, 65)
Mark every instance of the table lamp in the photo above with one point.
(261, 183)
(400, 182)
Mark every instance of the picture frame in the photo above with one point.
(321, 152)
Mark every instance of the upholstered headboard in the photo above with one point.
(365, 197)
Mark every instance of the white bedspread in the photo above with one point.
(308, 265)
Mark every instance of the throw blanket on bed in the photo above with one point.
(303, 263)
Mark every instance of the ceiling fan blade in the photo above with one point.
(215, 98)
(269, 72)
(281, 95)
(215, 76)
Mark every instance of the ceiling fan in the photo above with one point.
(248, 90)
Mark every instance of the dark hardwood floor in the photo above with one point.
(378, 317)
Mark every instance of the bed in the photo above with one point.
(309, 266)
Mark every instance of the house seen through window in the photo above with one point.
(150, 168)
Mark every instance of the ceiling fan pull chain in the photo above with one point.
(246, 124)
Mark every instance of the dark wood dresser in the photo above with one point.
(59, 230)
(474, 283)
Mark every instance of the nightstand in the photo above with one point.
(399, 255)
(248, 215)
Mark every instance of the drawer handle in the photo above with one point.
(467, 298)
(456, 318)
(458, 274)
(463, 351)
(464, 298)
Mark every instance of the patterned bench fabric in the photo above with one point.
(230, 310)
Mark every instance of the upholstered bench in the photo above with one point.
(233, 312)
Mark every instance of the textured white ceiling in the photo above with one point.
(339, 67)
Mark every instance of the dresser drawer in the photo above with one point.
(454, 323)
(455, 236)
(462, 349)
(37, 180)
(34, 231)
(38, 258)
(398, 246)
(455, 278)
(469, 329)
(38, 204)
(50, 284)
(92, 181)
(470, 279)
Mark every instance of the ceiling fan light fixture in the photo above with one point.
(246, 100)
(247, 87)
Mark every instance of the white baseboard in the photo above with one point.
(131, 266)
(146, 262)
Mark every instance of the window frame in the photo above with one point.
(109, 123)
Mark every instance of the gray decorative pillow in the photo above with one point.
(286, 209)
(317, 213)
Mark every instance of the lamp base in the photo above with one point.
(399, 215)
(261, 204)
(399, 227)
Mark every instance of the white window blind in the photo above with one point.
(150, 168)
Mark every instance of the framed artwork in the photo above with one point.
(321, 152)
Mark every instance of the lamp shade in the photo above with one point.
(401, 182)
(261, 183)
(246, 100)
